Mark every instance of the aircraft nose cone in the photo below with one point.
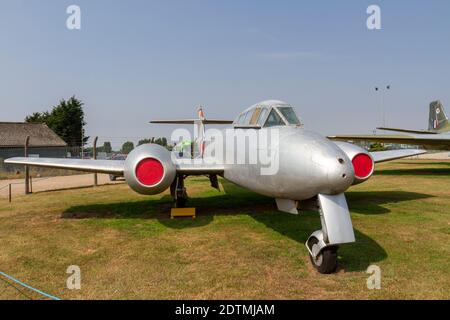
(335, 166)
(340, 174)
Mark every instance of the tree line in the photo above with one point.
(66, 119)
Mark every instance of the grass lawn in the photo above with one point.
(239, 246)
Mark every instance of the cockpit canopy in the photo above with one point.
(268, 114)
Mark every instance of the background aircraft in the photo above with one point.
(437, 137)
(312, 172)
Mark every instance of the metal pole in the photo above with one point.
(382, 108)
(27, 169)
(82, 138)
(94, 155)
(31, 184)
(10, 192)
(388, 87)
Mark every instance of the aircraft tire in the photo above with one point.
(326, 261)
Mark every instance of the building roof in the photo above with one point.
(13, 134)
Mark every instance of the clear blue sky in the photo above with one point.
(133, 61)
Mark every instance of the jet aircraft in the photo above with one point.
(312, 172)
(437, 137)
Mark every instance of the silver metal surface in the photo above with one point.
(309, 164)
(351, 151)
(153, 151)
(87, 165)
(320, 245)
(192, 168)
(286, 205)
(382, 156)
(338, 224)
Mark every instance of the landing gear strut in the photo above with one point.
(336, 229)
(178, 191)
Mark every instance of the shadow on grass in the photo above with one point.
(443, 171)
(78, 188)
(238, 201)
(371, 202)
(414, 172)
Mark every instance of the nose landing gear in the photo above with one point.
(337, 229)
(323, 259)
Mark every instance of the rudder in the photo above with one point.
(438, 120)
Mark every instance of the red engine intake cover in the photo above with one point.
(149, 171)
(363, 165)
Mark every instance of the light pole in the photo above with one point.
(383, 111)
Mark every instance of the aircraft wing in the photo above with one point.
(408, 130)
(88, 165)
(198, 168)
(191, 167)
(192, 121)
(417, 139)
(382, 156)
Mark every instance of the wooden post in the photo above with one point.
(9, 192)
(27, 169)
(31, 184)
(94, 155)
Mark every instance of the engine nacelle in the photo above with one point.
(149, 169)
(362, 161)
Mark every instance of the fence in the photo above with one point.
(96, 147)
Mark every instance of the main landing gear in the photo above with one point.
(178, 192)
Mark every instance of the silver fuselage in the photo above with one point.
(308, 164)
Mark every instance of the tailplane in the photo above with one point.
(438, 120)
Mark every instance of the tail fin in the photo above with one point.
(438, 120)
(199, 131)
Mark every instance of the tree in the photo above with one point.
(107, 147)
(37, 117)
(127, 147)
(377, 146)
(161, 141)
(66, 120)
(144, 141)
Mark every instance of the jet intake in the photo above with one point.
(362, 161)
(149, 169)
(363, 165)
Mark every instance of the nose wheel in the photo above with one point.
(325, 259)
(336, 229)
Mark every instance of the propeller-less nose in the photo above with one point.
(340, 174)
(335, 164)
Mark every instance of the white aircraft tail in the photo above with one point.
(199, 127)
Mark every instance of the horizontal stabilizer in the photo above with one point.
(408, 131)
(192, 121)
(87, 165)
(382, 156)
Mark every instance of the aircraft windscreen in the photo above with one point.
(289, 115)
(274, 119)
